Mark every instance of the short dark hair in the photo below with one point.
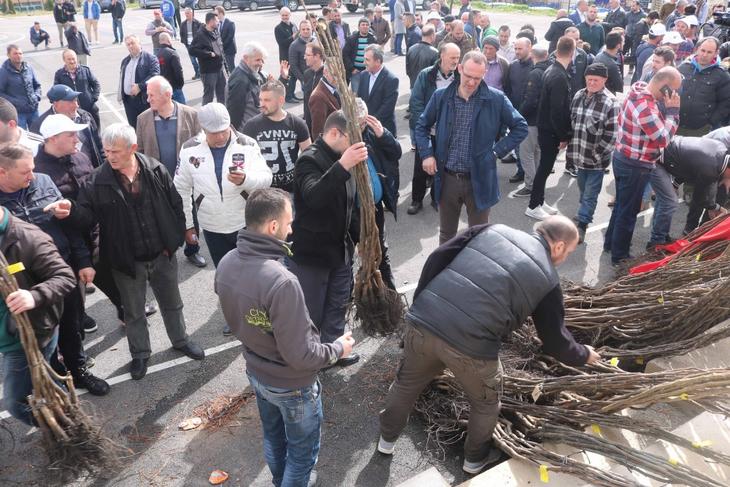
(363, 20)
(666, 53)
(326, 11)
(336, 120)
(428, 30)
(503, 28)
(653, 15)
(275, 86)
(565, 47)
(316, 49)
(264, 205)
(369, 11)
(11, 47)
(210, 16)
(8, 111)
(526, 34)
(613, 40)
(11, 152)
(690, 10)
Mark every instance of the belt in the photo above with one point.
(458, 175)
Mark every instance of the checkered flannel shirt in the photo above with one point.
(594, 119)
(643, 129)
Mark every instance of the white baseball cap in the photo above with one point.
(690, 20)
(58, 124)
(672, 37)
(433, 16)
(214, 117)
(658, 29)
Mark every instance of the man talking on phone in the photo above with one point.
(218, 168)
(645, 128)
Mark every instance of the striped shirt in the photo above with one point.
(362, 43)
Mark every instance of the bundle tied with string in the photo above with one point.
(74, 443)
(379, 309)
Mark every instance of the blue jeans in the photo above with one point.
(219, 244)
(118, 30)
(631, 178)
(291, 421)
(664, 206)
(589, 184)
(26, 119)
(18, 385)
(399, 43)
(178, 96)
(194, 62)
(171, 21)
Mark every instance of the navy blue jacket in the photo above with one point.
(385, 153)
(493, 112)
(517, 76)
(20, 87)
(228, 37)
(382, 98)
(422, 91)
(147, 67)
(28, 206)
(85, 83)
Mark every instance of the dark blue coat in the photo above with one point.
(382, 98)
(228, 37)
(385, 152)
(147, 67)
(493, 112)
(85, 82)
(517, 76)
(20, 87)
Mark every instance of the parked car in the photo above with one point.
(254, 4)
(227, 4)
(353, 5)
(150, 3)
(294, 4)
(106, 5)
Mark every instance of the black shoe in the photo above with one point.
(89, 324)
(407, 116)
(90, 289)
(138, 368)
(571, 171)
(434, 205)
(197, 76)
(509, 159)
(518, 177)
(86, 380)
(582, 232)
(150, 308)
(192, 350)
(415, 207)
(351, 359)
(227, 330)
(290, 100)
(197, 260)
(297, 98)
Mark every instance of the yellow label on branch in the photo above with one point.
(702, 444)
(544, 477)
(699, 256)
(15, 268)
(684, 396)
(639, 360)
(673, 461)
(597, 430)
(613, 362)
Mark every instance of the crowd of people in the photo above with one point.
(115, 203)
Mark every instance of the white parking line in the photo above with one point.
(183, 360)
(122, 118)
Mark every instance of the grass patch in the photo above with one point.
(515, 8)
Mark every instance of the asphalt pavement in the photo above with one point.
(144, 415)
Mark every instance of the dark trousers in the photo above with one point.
(291, 86)
(631, 178)
(549, 148)
(214, 86)
(194, 62)
(230, 63)
(219, 244)
(104, 280)
(424, 357)
(70, 339)
(327, 291)
(133, 107)
(420, 181)
(385, 270)
(189, 248)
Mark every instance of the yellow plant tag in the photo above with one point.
(702, 444)
(684, 396)
(544, 477)
(15, 268)
(673, 461)
(613, 362)
(639, 360)
(660, 299)
(597, 430)
(699, 256)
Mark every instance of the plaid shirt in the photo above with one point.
(594, 120)
(644, 130)
(684, 51)
(459, 155)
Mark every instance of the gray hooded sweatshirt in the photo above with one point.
(264, 305)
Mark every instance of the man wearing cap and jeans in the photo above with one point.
(26, 200)
(646, 49)
(217, 171)
(594, 118)
(65, 101)
(141, 225)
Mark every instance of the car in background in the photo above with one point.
(226, 4)
(293, 5)
(353, 5)
(150, 3)
(106, 5)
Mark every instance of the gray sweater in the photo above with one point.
(264, 305)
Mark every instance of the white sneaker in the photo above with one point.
(386, 447)
(537, 213)
(476, 467)
(549, 209)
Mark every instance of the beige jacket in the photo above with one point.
(187, 128)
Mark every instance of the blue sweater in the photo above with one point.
(20, 87)
(92, 10)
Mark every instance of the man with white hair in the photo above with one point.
(244, 85)
(161, 131)
(141, 225)
(218, 169)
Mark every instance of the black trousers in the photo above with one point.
(133, 107)
(385, 270)
(70, 335)
(549, 148)
(421, 180)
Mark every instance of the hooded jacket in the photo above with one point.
(220, 208)
(264, 305)
(20, 86)
(705, 95)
